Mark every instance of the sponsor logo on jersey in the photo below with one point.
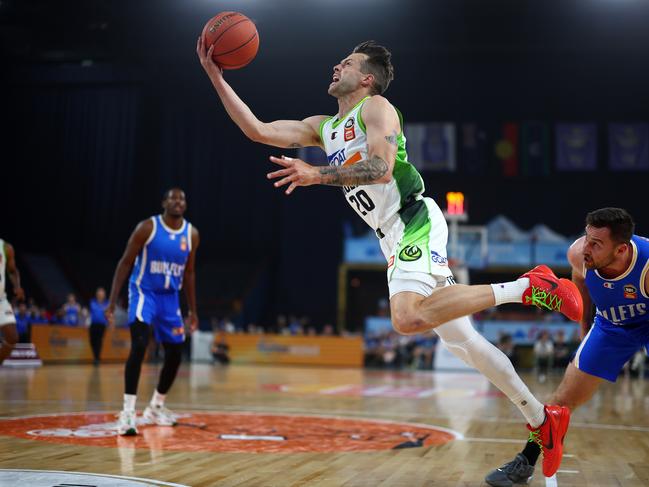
(608, 285)
(618, 314)
(166, 268)
(391, 261)
(630, 291)
(183, 244)
(337, 158)
(410, 253)
(438, 259)
(333, 135)
(350, 134)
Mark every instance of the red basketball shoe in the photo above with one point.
(547, 291)
(550, 435)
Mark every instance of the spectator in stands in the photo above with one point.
(97, 323)
(120, 315)
(23, 323)
(58, 318)
(281, 325)
(423, 351)
(228, 326)
(71, 311)
(295, 326)
(506, 346)
(42, 316)
(383, 308)
(543, 355)
(32, 309)
(372, 352)
(328, 330)
(561, 350)
(220, 349)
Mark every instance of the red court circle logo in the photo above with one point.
(231, 432)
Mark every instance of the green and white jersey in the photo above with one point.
(345, 142)
(412, 229)
(3, 268)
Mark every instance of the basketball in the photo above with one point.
(234, 37)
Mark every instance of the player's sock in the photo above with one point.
(464, 342)
(158, 400)
(531, 452)
(510, 292)
(129, 402)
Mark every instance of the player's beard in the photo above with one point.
(595, 265)
(341, 88)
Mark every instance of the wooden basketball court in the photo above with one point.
(307, 426)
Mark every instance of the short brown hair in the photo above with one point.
(617, 220)
(377, 64)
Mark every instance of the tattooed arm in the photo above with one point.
(281, 133)
(382, 125)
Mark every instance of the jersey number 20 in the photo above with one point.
(362, 201)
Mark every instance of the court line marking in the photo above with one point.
(568, 471)
(456, 434)
(347, 413)
(156, 482)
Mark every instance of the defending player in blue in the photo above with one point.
(610, 266)
(160, 256)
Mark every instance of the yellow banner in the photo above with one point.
(302, 350)
(69, 344)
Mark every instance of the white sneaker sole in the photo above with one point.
(149, 416)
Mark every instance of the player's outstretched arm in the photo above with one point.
(135, 243)
(576, 259)
(383, 127)
(189, 282)
(281, 133)
(12, 271)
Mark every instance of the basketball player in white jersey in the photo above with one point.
(367, 157)
(7, 318)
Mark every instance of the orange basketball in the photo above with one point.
(235, 39)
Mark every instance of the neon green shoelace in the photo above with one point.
(544, 300)
(535, 436)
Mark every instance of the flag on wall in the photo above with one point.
(628, 146)
(576, 146)
(535, 149)
(431, 146)
(506, 148)
(473, 151)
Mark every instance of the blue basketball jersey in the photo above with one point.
(623, 300)
(160, 265)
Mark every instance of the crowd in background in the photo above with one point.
(384, 349)
(70, 313)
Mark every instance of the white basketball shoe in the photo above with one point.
(126, 424)
(159, 415)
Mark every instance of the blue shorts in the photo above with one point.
(606, 348)
(161, 310)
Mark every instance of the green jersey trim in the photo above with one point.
(339, 120)
(322, 124)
